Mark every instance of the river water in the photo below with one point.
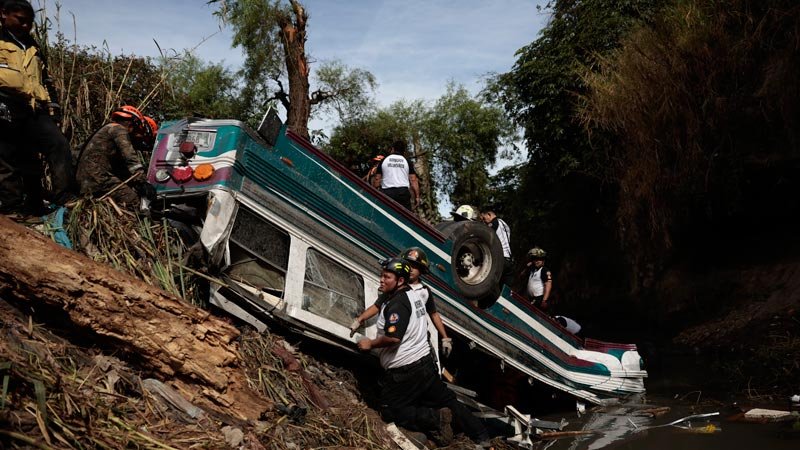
(632, 427)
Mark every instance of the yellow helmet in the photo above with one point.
(470, 212)
(537, 253)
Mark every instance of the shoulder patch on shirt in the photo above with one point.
(394, 318)
(392, 329)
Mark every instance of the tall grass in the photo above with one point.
(91, 81)
(700, 101)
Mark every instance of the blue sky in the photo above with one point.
(413, 47)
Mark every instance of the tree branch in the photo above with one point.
(320, 96)
(280, 95)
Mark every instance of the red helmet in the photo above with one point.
(150, 126)
(128, 112)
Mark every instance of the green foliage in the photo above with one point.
(197, 88)
(540, 92)
(355, 141)
(256, 31)
(261, 28)
(459, 134)
(350, 90)
(705, 106)
(563, 188)
(91, 83)
(465, 135)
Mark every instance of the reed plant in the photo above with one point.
(150, 250)
(704, 102)
(91, 82)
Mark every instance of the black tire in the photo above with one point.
(476, 261)
(443, 226)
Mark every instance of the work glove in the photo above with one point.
(354, 326)
(447, 346)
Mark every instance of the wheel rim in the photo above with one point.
(473, 262)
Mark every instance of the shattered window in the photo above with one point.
(262, 238)
(330, 290)
(259, 253)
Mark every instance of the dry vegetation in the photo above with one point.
(150, 250)
(701, 101)
(61, 395)
(705, 103)
(65, 387)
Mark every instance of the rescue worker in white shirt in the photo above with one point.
(418, 260)
(412, 393)
(504, 234)
(419, 263)
(540, 279)
(397, 178)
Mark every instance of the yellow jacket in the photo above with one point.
(21, 72)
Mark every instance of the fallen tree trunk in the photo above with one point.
(182, 345)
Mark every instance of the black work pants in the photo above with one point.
(399, 194)
(412, 395)
(21, 141)
(508, 272)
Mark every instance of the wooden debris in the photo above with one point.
(93, 400)
(562, 434)
(767, 415)
(654, 412)
(173, 339)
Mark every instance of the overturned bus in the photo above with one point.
(295, 237)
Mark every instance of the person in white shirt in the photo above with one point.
(503, 231)
(540, 279)
(418, 261)
(397, 178)
(412, 393)
(569, 324)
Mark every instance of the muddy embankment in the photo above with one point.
(740, 317)
(725, 317)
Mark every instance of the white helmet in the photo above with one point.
(470, 212)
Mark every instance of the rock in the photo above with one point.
(767, 415)
(233, 436)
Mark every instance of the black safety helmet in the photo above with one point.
(417, 258)
(398, 267)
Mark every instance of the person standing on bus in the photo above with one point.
(397, 178)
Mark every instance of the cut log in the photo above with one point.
(180, 344)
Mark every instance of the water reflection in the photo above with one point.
(613, 425)
(634, 426)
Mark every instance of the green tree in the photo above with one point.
(541, 91)
(704, 104)
(197, 88)
(453, 144)
(565, 198)
(465, 134)
(273, 36)
(356, 140)
(351, 90)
